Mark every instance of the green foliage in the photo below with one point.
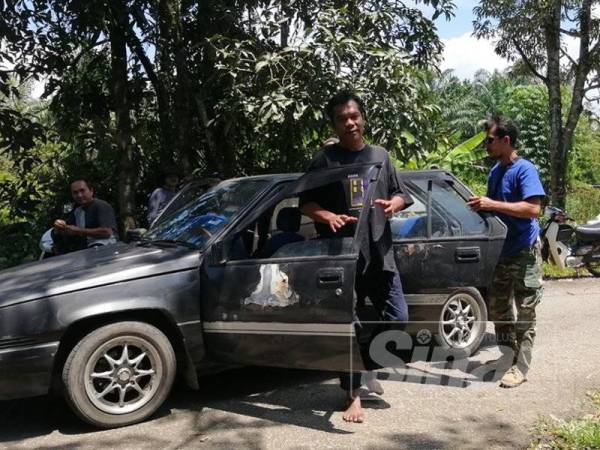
(551, 271)
(233, 87)
(527, 105)
(577, 433)
(275, 94)
(585, 158)
(583, 202)
(533, 33)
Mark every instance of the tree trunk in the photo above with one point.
(119, 79)
(557, 165)
(162, 98)
(582, 71)
(561, 138)
(165, 48)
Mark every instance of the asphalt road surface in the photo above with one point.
(430, 405)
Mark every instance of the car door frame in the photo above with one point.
(287, 342)
(413, 255)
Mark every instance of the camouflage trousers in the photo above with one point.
(516, 291)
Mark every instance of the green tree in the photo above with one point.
(534, 32)
(527, 106)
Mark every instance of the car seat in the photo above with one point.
(288, 222)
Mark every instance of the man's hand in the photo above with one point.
(482, 203)
(60, 225)
(390, 206)
(337, 221)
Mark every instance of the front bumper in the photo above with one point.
(26, 371)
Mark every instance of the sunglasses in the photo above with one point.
(488, 140)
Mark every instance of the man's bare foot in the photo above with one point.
(374, 386)
(354, 412)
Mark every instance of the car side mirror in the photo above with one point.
(135, 234)
(219, 253)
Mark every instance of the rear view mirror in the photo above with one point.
(219, 253)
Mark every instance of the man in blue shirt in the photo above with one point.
(514, 194)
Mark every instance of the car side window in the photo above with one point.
(283, 232)
(462, 220)
(412, 221)
(449, 213)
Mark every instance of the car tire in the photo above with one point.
(455, 317)
(119, 374)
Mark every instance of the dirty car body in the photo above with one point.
(204, 291)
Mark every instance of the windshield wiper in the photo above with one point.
(169, 243)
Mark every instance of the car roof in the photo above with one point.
(286, 177)
(276, 177)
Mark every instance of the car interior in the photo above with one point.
(284, 231)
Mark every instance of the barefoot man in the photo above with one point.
(336, 212)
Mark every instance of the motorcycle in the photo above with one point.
(565, 245)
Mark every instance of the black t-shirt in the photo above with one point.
(347, 196)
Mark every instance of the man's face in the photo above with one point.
(82, 194)
(349, 123)
(496, 146)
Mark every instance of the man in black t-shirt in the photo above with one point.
(92, 223)
(335, 209)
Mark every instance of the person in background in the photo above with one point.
(91, 224)
(163, 194)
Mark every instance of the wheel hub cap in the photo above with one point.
(124, 375)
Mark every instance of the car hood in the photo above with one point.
(90, 268)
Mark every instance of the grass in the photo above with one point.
(551, 271)
(579, 433)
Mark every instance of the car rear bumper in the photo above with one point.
(26, 371)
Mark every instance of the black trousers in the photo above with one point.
(384, 289)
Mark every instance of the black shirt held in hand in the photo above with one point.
(347, 197)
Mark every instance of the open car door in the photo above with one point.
(294, 308)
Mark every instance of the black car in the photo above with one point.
(232, 276)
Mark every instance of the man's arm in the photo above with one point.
(317, 213)
(525, 209)
(62, 227)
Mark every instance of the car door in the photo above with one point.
(294, 308)
(440, 244)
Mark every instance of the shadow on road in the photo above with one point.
(269, 395)
(487, 436)
(245, 400)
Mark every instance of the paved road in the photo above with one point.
(434, 407)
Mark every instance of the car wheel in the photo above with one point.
(119, 374)
(462, 321)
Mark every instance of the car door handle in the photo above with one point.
(468, 254)
(330, 278)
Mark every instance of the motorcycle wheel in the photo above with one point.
(593, 267)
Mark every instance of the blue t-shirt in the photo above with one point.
(515, 182)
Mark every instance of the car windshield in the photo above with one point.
(196, 214)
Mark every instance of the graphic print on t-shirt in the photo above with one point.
(357, 191)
